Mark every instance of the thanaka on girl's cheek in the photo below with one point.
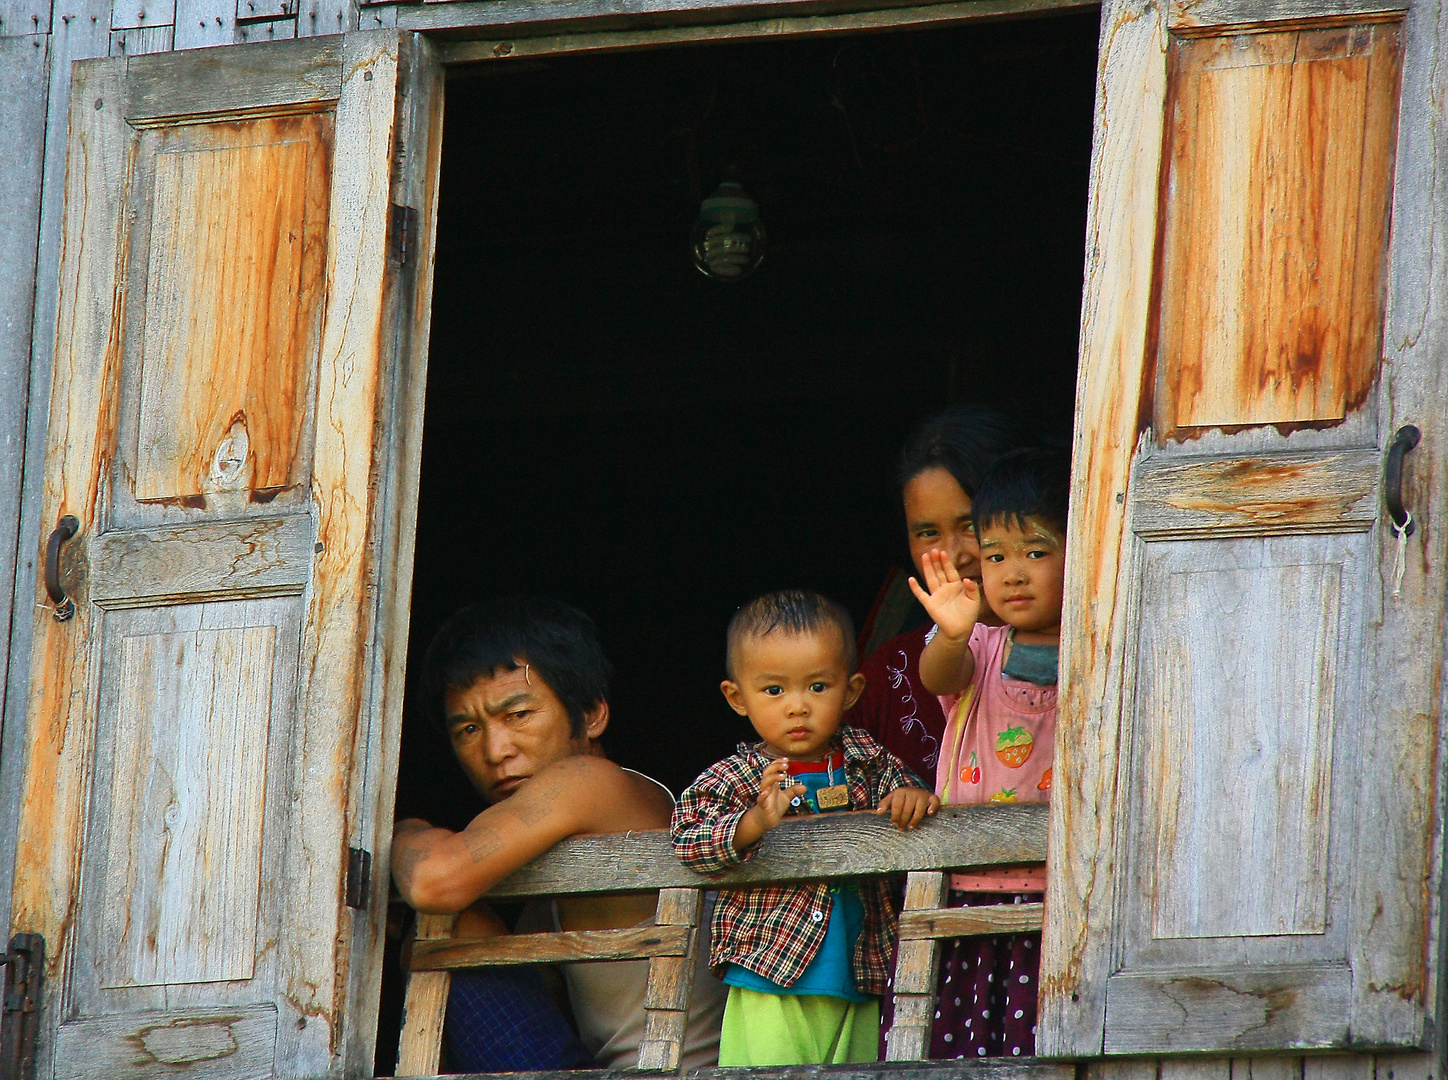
(1023, 574)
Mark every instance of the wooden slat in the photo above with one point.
(425, 1006)
(437, 16)
(829, 845)
(671, 980)
(267, 557)
(916, 964)
(971, 921)
(418, 150)
(209, 1044)
(23, 98)
(191, 83)
(1121, 232)
(1257, 496)
(142, 40)
(987, 1069)
(567, 946)
(1216, 15)
(1246, 1009)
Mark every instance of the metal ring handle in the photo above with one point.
(67, 527)
(1406, 438)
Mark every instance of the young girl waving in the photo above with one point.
(997, 687)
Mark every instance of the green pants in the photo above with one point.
(784, 1029)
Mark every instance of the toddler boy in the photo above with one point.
(804, 964)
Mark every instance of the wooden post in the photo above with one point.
(916, 962)
(671, 980)
(420, 1049)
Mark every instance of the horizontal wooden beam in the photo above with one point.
(987, 1069)
(520, 44)
(630, 943)
(802, 849)
(971, 921)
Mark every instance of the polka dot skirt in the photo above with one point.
(987, 989)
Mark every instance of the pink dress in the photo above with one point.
(998, 746)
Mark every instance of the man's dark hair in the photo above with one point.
(964, 440)
(1027, 483)
(558, 642)
(794, 611)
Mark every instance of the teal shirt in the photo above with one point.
(830, 972)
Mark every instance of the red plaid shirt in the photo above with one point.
(776, 931)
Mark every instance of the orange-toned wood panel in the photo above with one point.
(1275, 223)
(234, 291)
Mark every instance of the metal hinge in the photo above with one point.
(359, 877)
(20, 1008)
(404, 230)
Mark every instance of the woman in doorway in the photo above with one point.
(940, 468)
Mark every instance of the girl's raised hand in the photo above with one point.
(953, 602)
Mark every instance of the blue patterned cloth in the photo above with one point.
(504, 1020)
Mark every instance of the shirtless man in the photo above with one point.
(522, 688)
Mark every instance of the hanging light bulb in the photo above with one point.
(728, 238)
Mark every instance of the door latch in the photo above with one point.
(24, 965)
(359, 877)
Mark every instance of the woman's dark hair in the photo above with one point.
(964, 440)
(558, 642)
(1024, 484)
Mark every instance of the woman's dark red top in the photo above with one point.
(896, 709)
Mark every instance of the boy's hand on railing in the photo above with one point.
(770, 807)
(908, 807)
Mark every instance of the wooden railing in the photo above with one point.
(802, 849)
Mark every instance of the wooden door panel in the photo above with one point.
(1275, 224)
(210, 727)
(232, 303)
(1245, 818)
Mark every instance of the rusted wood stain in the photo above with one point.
(1275, 224)
(234, 287)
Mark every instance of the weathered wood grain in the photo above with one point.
(140, 41)
(21, 18)
(203, 24)
(58, 747)
(1275, 225)
(916, 969)
(1259, 496)
(1121, 235)
(248, 80)
(988, 1069)
(261, 557)
(1397, 899)
(671, 980)
(1247, 1009)
(184, 847)
(832, 845)
(566, 946)
(1241, 753)
(425, 1006)
(24, 86)
(1267, 1068)
(458, 12)
(1214, 15)
(140, 14)
(233, 293)
(216, 1044)
(418, 152)
(965, 922)
(1345, 1067)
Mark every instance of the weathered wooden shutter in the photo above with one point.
(1245, 831)
(235, 426)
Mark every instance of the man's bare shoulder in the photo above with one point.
(608, 798)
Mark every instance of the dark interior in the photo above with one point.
(607, 425)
